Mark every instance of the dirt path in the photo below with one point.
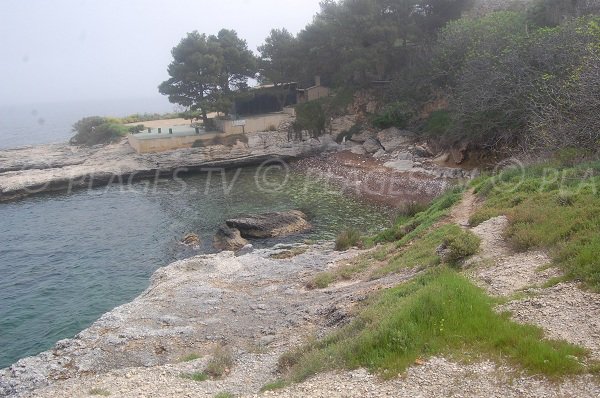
(564, 311)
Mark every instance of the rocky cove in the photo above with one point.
(70, 170)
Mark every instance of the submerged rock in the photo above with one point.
(191, 240)
(228, 239)
(270, 225)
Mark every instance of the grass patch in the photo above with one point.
(275, 385)
(224, 395)
(550, 207)
(190, 357)
(99, 391)
(196, 376)
(220, 364)
(321, 280)
(407, 226)
(421, 253)
(439, 313)
(347, 239)
(286, 254)
(346, 271)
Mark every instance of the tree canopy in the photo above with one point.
(206, 70)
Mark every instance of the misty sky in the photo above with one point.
(55, 50)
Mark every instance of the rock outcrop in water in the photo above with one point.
(228, 239)
(270, 225)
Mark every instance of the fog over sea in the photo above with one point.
(45, 123)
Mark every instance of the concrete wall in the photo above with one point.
(165, 144)
(313, 93)
(253, 124)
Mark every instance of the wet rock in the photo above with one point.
(270, 224)
(393, 138)
(228, 239)
(191, 240)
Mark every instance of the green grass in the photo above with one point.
(99, 391)
(275, 385)
(346, 239)
(406, 228)
(439, 313)
(196, 376)
(459, 246)
(224, 395)
(550, 207)
(190, 357)
(421, 254)
(322, 280)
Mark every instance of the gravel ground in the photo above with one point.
(440, 378)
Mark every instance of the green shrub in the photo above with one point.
(460, 245)
(397, 114)
(310, 116)
(439, 123)
(347, 239)
(95, 130)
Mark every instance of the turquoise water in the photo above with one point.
(67, 259)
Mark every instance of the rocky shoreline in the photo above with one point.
(252, 303)
(385, 176)
(255, 303)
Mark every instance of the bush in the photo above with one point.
(397, 114)
(459, 246)
(310, 116)
(347, 239)
(95, 130)
(439, 123)
(220, 363)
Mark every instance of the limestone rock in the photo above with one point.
(371, 145)
(270, 224)
(362, 136)
(393, 138)
(400, 165)
(228, 239)
(358, 150)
